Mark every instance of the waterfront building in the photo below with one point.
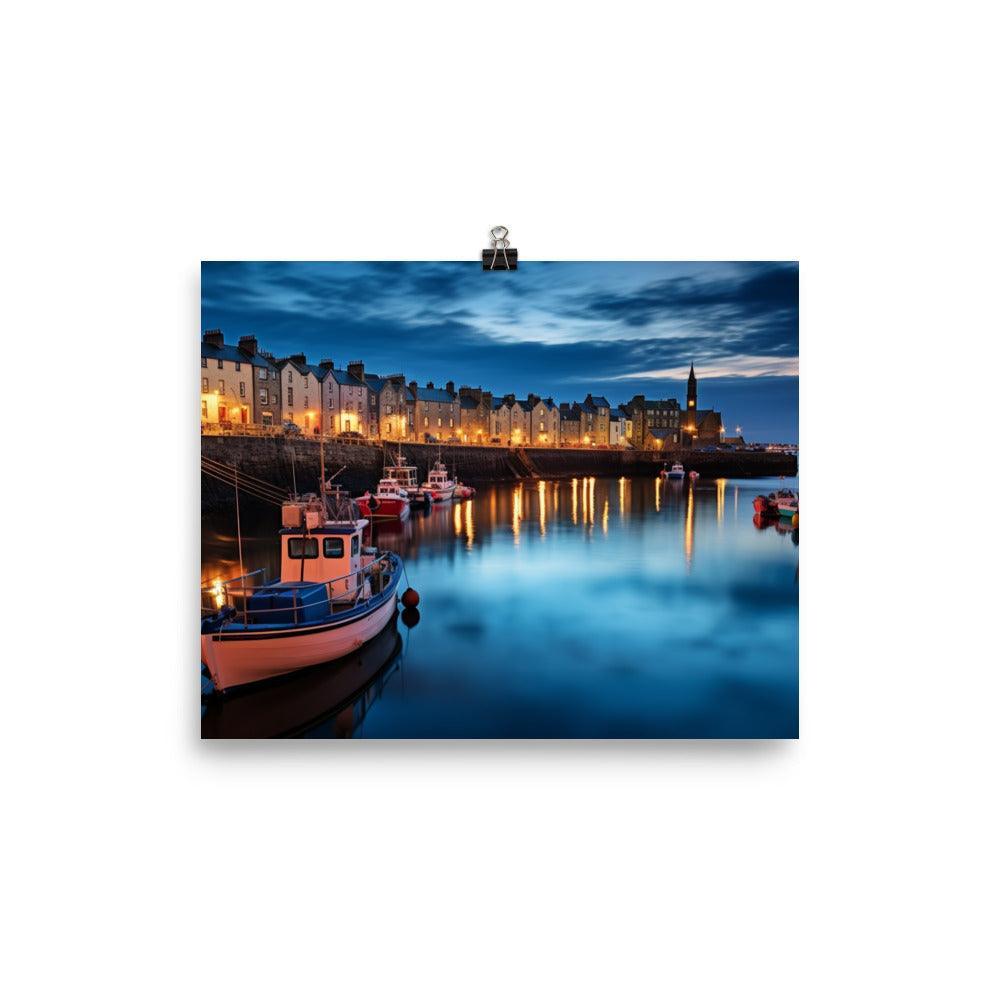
(543, 421)
(569, 424)
(232, 379)
(500, 432)
(345, 400)
(475, 414)
(616, 428)
(600, 432)
(388, 413)
(435, 412)
(301, 392)
(520, 421)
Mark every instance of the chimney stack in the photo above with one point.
(450, 387)
(413, 389)
(248, 345)
(326, 364)
(213, 338)
(297, 359)
(430, 385)
(357, 369)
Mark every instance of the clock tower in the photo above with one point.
(691, 413)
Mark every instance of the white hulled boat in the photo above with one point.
(332, 596)
(438, 485)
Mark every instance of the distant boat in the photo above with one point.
(676, 471)
(788, 503)
(693, 476)
(389, 502)
(438, 485)
(406, 476)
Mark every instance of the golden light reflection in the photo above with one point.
(659, 486)
(604, 517)
(541, 506)
(720, 499)
(555, 498)
(470, 531)
(689, 529)
(574, 501)
(621, 497)
(218, 596)
(516, 523)
(593, 481)
(457, 510)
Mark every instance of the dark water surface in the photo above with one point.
(587, 608)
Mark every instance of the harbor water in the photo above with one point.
(593, 607)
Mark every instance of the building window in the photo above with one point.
(262, 374)
(204, 362)
(219, 363)
(204, 409)
(222, 386)
(451, 421)
(243, 388)
(274, 399)
(388, 409)
(290, 401)
(237, 366)
(426, 422)
(204, 385)
(289, 376)
(307, 402)
(263, 396)
(439, 421)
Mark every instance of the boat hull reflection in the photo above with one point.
(338, 692)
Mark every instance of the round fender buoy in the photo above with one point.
(795, 520)
(410, 598)
(410, 616)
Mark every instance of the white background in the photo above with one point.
(857, 861)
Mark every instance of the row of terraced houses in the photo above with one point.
(245, 387)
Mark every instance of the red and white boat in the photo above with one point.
(438, 486)
(463, 492)
(406, 476)
(389, 502)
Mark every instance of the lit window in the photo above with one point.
(222, 386)
(204, 385)
(243, 388)
(204, 409)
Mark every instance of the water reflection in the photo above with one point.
(532, 624)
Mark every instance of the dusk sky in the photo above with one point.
(556, 329)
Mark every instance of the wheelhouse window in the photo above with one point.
(355, 545)
(303, 548)
(333, 548)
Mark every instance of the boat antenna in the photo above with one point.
(239, 540)
(322, 472)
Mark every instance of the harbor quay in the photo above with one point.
(293, 462)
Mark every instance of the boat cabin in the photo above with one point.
(438, 476)
(405, 475)
(318, 551)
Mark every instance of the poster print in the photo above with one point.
(557, 502)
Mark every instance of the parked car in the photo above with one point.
(290, 428)
(430, 438)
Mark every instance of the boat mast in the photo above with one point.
(239, 541)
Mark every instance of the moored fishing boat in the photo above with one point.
(787, 503)
(438, 486)
(406, 476)
(463, 492)
(333, 595)
(676, 471)
(389, 502)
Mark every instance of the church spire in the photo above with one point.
(691, 374)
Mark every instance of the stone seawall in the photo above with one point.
(288, 462)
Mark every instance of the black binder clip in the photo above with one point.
(502, 257)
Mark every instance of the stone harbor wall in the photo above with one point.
(294, 463)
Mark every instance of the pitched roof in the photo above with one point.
(375, 382)
(342, 377)
(497, 403)
(600, 401)
(587, 408)
(434, 396)
(468, 403)
(230, 353)
(617, 413)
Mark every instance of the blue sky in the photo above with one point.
(556, 328)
